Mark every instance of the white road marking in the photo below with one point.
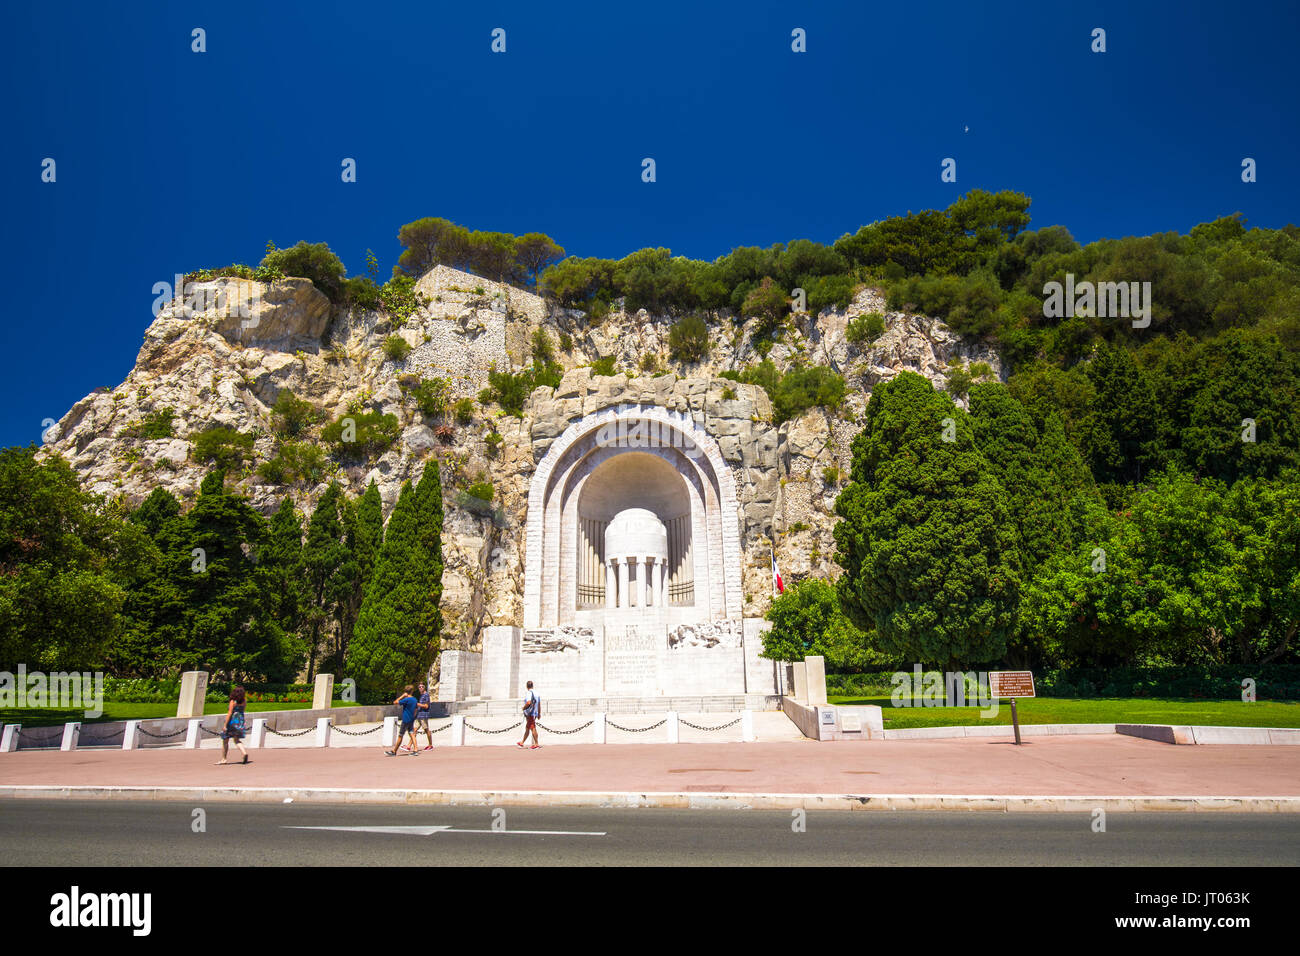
(430, 830)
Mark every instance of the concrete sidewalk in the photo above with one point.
(1130, 773)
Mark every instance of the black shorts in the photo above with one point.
(407, 727)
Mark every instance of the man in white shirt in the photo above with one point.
(532, 710)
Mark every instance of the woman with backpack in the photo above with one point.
(234, 729)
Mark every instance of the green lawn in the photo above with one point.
(46, 717)
(1109, 710)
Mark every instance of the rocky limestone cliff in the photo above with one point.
(221, 366)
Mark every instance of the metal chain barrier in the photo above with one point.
(438, 730)
(565, 732)
(636, 730)
(501, 731)
(355, 733)
(99, 740)
(289, 733)
(161, 736)
(210, 733)
(42, 741)
(719, 727)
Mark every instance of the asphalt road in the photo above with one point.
(161, 833)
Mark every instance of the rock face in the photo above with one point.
(223, 357)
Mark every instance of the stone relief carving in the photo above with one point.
(727, 633)
(567, 637)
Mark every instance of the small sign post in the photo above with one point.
(1008, 685)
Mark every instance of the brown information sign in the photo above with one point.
(1004, 684)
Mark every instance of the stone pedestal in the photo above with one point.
(800, 682)
(815, 675)
(9, 738)
(323, 696)
(71, 733)
(194, 690)
(500, 672)
(460, 675)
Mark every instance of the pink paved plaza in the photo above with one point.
(1065, 766)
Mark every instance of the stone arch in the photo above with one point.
(609, 432)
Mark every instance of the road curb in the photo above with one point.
(679, 801)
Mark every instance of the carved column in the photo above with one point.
(663, 584)
(611, 584)
(643, 569)
(623, 593)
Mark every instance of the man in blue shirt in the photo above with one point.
(422, 716)
(408, 703)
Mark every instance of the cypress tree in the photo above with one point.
(399, 625)
(928, 557)
(326, 575)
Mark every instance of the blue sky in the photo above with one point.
(169, 160)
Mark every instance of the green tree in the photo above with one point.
(399, 626)
(327, 577)
(63, 556)
(807, 620)
(310, 260)
(928, 556)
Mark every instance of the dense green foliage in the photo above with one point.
(222, 446)
(494, 255)
(362, 434)
(399, 625)
(310, 260)
(808, 620)
(511, 389)
(688, 339)
(796, 391)
(1001, 544)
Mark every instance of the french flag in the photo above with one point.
(778, 586)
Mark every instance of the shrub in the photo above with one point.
(804, 388)
(310, 260)
(566, 342)
(157, 424)
(493, 441)
(865, 328)
(396, 348)
(432, 395)
(481, 490)
(649, 362)
(362, 433)
(400, 298)
(224, 446)
(958, 381)
(604, 366)
(511, 389)
(543, 349)
(688, 339)
(445, 433)
(831, 474)
(464, 410)
(361, 292)
(292, 415)
(294, 462)
(728, 394)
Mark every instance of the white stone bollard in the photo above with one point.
(9, 739)
(71, 733)
(457, 730)
(323, 731)
(598, 729)
(323, 695)
(192, 734)
(390, 732)
(674, 729)
(194, 692)
(131, 735)
(257, 739)
(747, 726)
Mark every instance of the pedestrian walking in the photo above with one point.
(408, 702)
(532, 710)
(235, 726)
(422, 716)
